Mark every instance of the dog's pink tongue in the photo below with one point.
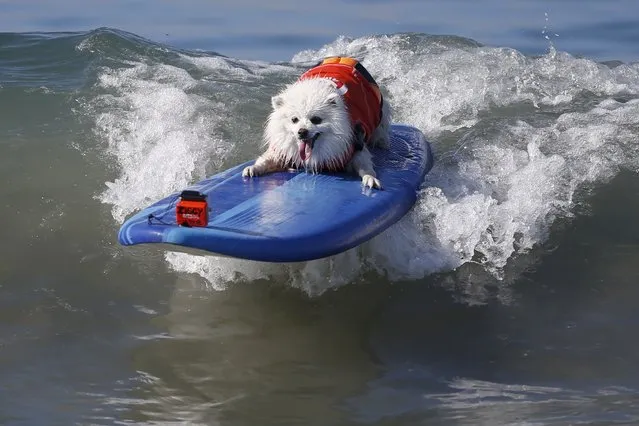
(305, 149)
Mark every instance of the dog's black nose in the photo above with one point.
(302, 133)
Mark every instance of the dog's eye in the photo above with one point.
(316, 120)
(295, 120)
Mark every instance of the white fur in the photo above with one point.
(305, 99)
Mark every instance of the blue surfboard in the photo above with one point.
(292, 216)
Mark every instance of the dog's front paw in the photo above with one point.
(371, 182)
(250, 171)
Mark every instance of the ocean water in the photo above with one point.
(507, 296)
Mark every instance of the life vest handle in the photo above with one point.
(354, 63)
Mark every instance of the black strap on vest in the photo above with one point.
(364, 72)
(358, 137)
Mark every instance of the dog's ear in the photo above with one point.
(332, 98)
(277, 101)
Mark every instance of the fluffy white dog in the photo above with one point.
(326, 120)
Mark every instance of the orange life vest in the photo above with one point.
(360, 91)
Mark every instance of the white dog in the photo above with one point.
(326, 121)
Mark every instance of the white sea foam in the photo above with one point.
(516, 137)
(160, 135)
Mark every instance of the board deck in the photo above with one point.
(292, 216)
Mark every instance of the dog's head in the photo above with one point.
(309, 123)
